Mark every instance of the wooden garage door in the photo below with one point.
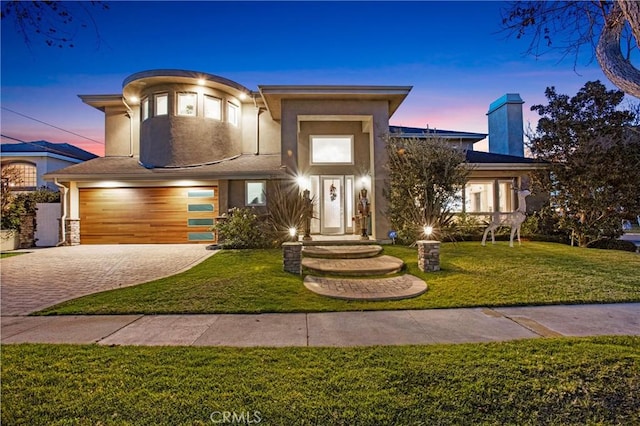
(147, 215)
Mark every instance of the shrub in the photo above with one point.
(242, 228)
(19, 204)
(613, 244)
(286, 209)
(425, 179)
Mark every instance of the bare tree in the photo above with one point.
(610, 29)
(56, 22)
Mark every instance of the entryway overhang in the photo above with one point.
(274, 95)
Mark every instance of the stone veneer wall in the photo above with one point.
(429, 255)
(27, 231)
(292, 257)
(72, 230)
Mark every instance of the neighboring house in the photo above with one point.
(183, 147)
(29, 162)
(32, 160)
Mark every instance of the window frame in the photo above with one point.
(262, 200)
(156, 96)
(236, 116)
(213, 98)
(24, 184)
(181, 95)
(312, 142)
(144, 109)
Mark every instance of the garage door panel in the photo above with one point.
(146, 215)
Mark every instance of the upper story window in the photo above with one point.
(161, 102)
(144, 109)
(20, 176)
(327, 149)
(187, 104)
(233, 112)
(212, 107)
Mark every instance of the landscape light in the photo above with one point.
(428, 230)
(293, 231)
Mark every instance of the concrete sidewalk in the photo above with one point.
(329, 329)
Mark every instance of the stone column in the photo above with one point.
(27, 231)
(429, 255)
(292, 257)
(72, 230)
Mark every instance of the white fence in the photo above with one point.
(47, 228)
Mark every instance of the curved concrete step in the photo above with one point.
(380, 265)
(392, 288)
(342, 252)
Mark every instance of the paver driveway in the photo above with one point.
(47, 276)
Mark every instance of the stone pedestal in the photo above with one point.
(429, 255)
(72, 232)
(292, 257)
(27, 231)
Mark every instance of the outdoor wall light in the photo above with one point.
(365, 181)
(243, 96)
(303, 182)
(201, 82)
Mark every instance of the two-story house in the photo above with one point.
(182, 147)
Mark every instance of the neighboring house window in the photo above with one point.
(22, 176)
(331, 149)
(233, 111)
(161, 102)
(187, 104)
(256, 193)
(479, 197)
(482, 196)
(145, 109)
(505, 196)
(212, 107)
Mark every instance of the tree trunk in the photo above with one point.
(631, 12)
(615, 66)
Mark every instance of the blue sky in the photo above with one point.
(452, 53)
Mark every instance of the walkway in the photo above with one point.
(330, 329)
(47, 276)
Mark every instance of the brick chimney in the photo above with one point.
(506, 134)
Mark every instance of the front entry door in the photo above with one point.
(332, 204)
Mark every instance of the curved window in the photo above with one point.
(145, 109)
(161, 102)
(187, 104)
(20, 176)
(212, 107)
(233, 111)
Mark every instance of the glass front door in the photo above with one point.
(332, 204)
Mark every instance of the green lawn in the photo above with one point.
(554, 381)
(252, 281)
(10, 254)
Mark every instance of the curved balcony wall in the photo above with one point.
(171, 139)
